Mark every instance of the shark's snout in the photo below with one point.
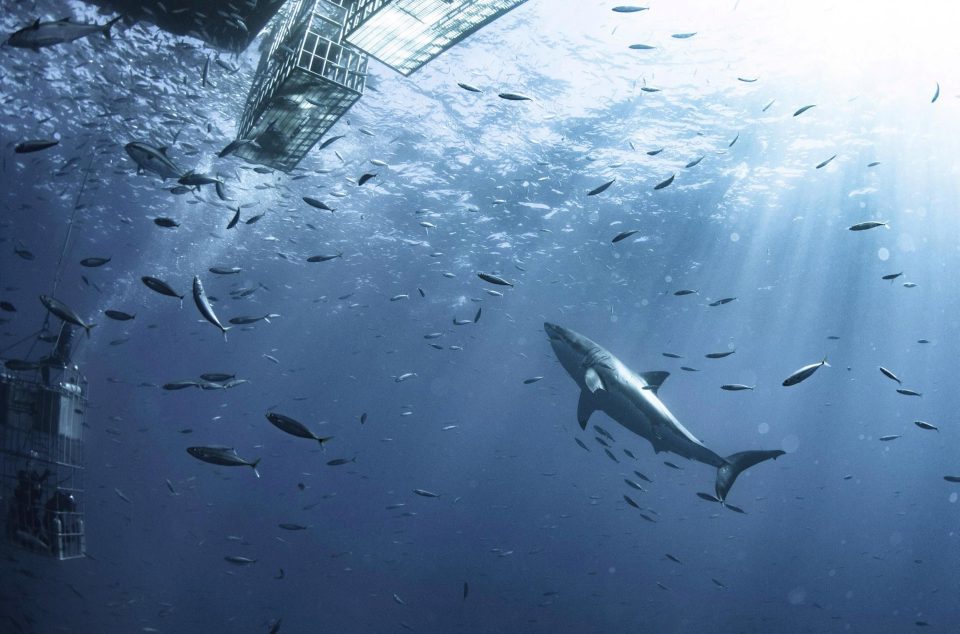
(554, 332)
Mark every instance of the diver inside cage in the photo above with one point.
(60, 530)
(23, 520)
(61, 524)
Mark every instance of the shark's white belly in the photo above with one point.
(627, 399)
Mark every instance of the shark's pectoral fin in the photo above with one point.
(656, 439)
(735, 464)
(654, 379)
(592, 379)
(585, 407)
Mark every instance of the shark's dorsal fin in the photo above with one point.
(592, 379)
(654, 379)
(163, 149)
(585, 407)
(36, 24)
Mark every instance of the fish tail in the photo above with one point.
(108, 25)
(88, 328)
(254, 465)
(181, 300)
(323, 439)
(224, 331)
(735, 464)
(824, 362)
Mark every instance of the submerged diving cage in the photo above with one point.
(406, 34)
(306, 80)
(315, 67)
(41, 460)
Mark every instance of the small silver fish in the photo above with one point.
(870, 224)
(493, 279)
(664, 183)
(721, 302)
(240, 561)
(804, 373)
(890, 375)
(826, 162)
(203, 305)
(623, 235)
(719, 355)
(601, 188)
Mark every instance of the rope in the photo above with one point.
(18, 342)
(66, 240)
(59, 271)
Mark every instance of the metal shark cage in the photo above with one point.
(406, 34)
(41, 460)
(315, 67)
(307, 79)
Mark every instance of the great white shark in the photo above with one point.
(631, 399)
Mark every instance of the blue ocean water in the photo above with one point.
(843, 533)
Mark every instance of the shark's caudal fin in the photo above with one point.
(736, 464)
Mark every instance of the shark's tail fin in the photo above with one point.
(735, 464)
